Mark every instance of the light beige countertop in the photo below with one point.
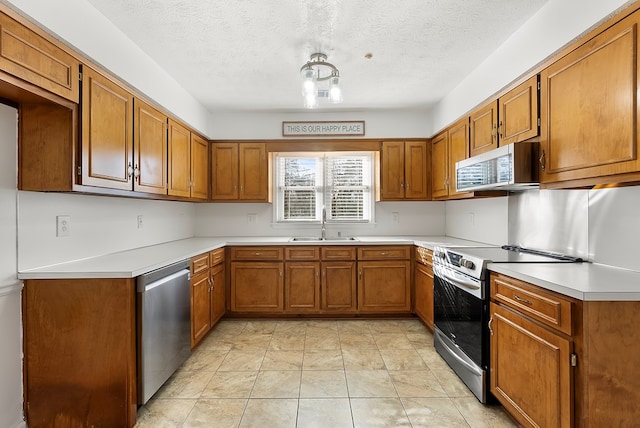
(138, 261)
(584, 281)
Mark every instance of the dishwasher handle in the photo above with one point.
(159, 274)
(150, 286)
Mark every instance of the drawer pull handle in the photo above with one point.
(384, 253)
(521, 300)
(489, 325)
(256, 254)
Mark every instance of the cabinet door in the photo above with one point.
(107, 143)
(257, 287)
(338, 290)
(200, 315)
(458, 150)
(589, 109)
(199, 167)
(384, 286)
(416, 172)
(150, 142)
(218, 293)
(440, 165)
(302, 287)
(518, 113)
(252, 166)
(224, 171)
(30, 57)
(530, 370)
(423, 282)
(179, 160)
(483, 125)
(392, 170)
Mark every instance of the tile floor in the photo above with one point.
(317, 373)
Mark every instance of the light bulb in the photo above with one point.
(335, 93)
(308, 82)
(310, 101)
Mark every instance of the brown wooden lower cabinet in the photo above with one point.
(207, 293)
(423, 296)
(302, 287)
(257, 287)
(80, 352)
(218, 292)
(338, 289)
(562, 362)
(384, 286)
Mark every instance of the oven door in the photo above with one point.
(460, 312)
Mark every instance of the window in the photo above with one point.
(339, 182)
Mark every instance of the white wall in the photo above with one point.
(554, 25)
(10, 287)
(99, 225)
(79, 24)
(378, 124)
(483, 220)
(229, 219)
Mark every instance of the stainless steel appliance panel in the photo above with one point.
(164, 326)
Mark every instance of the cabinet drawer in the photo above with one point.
(338, 253)
(302, 253)
(384, 253)
(216, 256)
(542, 305)
(424, 256)
(27, 55)
(199, 264)
(256, 253)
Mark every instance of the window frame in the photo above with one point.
(322, 188)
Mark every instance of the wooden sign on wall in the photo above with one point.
(340, 128)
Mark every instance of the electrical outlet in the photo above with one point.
(396, 217)
(252, 218)
(140, 222)
(63, 225)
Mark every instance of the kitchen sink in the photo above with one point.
(318, 239)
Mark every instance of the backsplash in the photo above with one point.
(99, 225)
(231, 219)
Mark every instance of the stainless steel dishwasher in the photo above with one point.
(164, 325)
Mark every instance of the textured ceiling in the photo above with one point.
(246, 54)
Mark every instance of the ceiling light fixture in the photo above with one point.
(320, 79)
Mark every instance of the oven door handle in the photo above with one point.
(460, 281)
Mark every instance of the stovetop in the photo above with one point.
(473, 260)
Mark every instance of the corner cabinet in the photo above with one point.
(449, 147)
(188, 169)
(240, 172)
(589, 106)
(405, 170)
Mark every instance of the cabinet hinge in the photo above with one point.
(79, 170)
(539, 123)
(574, 360)
(538, 85)
(80, 76)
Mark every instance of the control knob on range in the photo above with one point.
(439, 254)
(467, 264)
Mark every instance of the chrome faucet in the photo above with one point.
(323, 230)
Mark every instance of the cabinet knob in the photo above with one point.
(136, 172)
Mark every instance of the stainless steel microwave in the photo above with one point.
(511, 167)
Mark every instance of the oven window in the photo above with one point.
(458, 315)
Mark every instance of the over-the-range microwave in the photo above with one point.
(511, 167)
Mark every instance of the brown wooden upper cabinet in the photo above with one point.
(447, 148)
(107, 133)
(239, 172)
(513, 117)
(405, 170)
(32, 58)
(188, 163)
(589, 109)
(150, 149)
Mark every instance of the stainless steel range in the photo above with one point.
(461, 306)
